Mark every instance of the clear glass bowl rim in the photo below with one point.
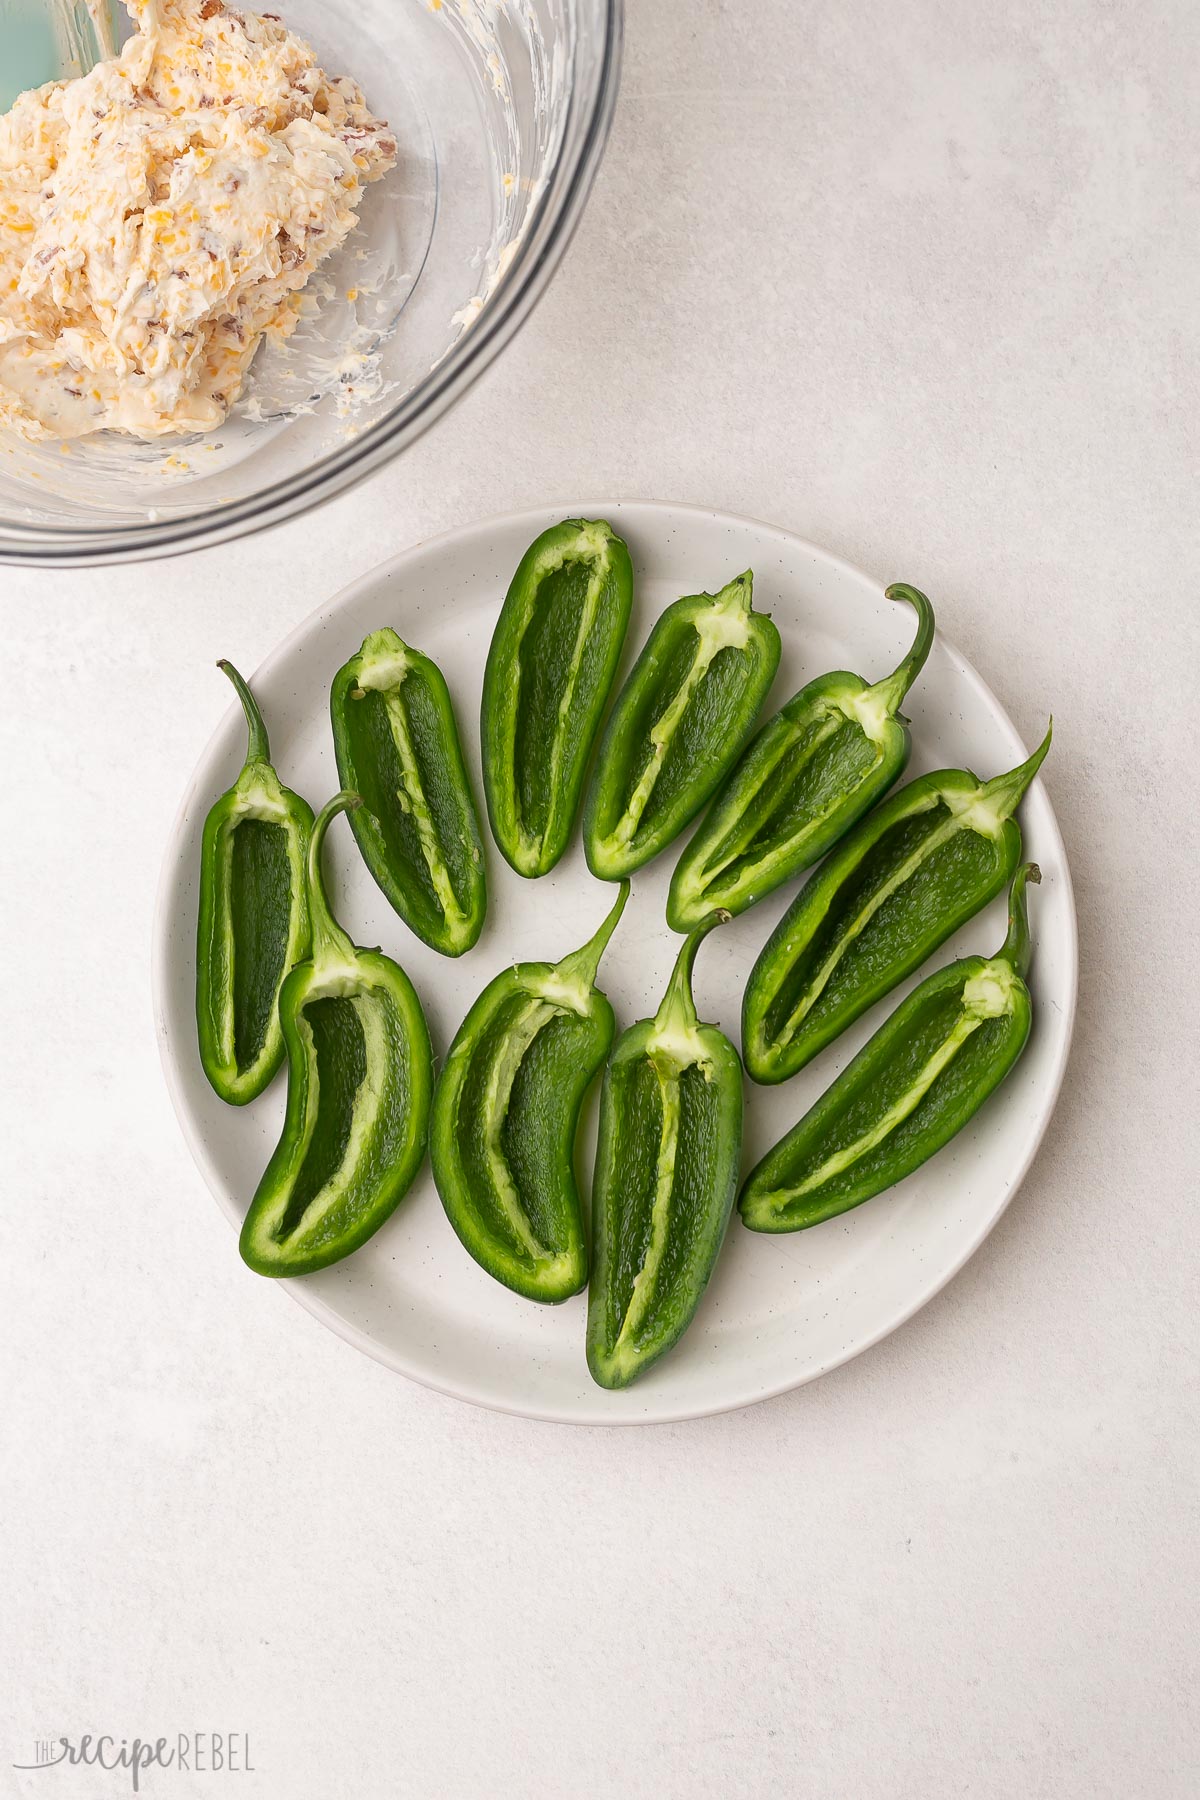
(537, 256)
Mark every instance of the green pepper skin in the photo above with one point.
(506, 1114)
(925, 1072)
(678, 724)
(667, 1162)
(909, 874)
(360, 1080)
(550, 669)
(397, 744)
(801, 783)
(253, 917)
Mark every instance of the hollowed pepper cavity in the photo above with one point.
(904, 880)
(667, 1162)
(550, 669)
(253, 916)
(505, 1117)
(918, 1081)
(397, 744)
(801, 783)
(360, 1078)
(678, 724)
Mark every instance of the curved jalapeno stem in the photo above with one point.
(506, 1115)
(891, 690)
(908, 875)
(677, 725)
(667, 1160)
(913, 1086)
(397, 744)
(258, 749)
(360, 1081)
(1017, 947)
(676, 1018)
(805, 778)
(330, 942)
(253, 922)
(583, 965)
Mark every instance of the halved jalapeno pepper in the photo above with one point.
(253, 917)
(909, 874)
(550, 668)
(678, 724)
(801, 783)
(360, 1079)
(923, 1075)
(506, 1113)
(396, 741)
(667, 1163)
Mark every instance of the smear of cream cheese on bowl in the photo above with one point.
(161, 216)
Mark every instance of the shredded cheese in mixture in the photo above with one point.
(161, 214)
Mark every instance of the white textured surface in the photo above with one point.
(919, 282)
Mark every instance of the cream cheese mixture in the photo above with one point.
(161, 214)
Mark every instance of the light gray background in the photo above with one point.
(919, 281)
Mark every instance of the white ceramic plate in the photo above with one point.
(779, 1310)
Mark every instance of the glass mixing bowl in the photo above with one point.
(500, 109)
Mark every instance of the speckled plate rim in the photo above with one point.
(533, 519)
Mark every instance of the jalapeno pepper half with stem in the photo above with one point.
(253, 917)
(396, 741)
(908, 875)
(667, 1164)
(923, 1075)
(550, 669)
(678, 724)
(801, 783)
(506, 1113)
(360, 1078)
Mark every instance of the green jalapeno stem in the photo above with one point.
(1017, 946)
(583, 965)
(1004, 793)
(891, 690)
(259, 748)
(330, 942)
(677, 1015)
